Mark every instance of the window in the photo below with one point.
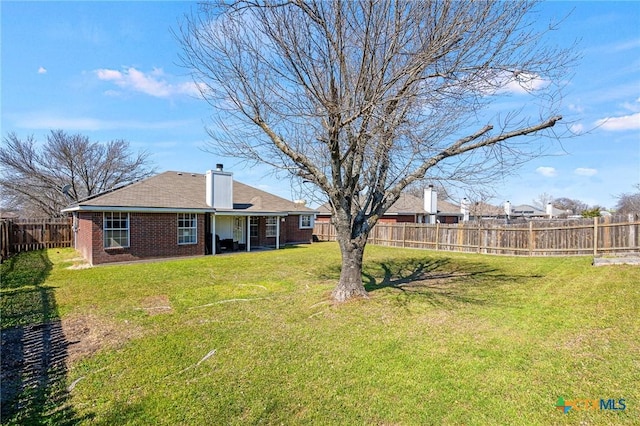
(272, 226)
(187, 228)
(116, 230)
(306, 221)
(253, 227)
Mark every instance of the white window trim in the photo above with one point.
(254, 224)
(311, 220)
(273, 226)
(105, 229)
(195, 228)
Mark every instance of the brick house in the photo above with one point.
(185, 214)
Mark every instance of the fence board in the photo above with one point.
(608, 235)
(18, 235)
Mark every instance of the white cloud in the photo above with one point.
(42, 70)
(155, 83)
(106, 74)
(577, 128)
(576, 108)
(546, 171)
(526, 83)
(519, 82)
(632, 106)
(52, 121)
(496, 82)
(627, 122)
(585, 171)
(627, 45)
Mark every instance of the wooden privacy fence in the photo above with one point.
(18, 235)
(597, 236)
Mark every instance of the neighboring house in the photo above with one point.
(480, 210)
(408, 209)
(531, 212)
(185, 214)
(8, 214)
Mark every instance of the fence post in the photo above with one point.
(437, 236)
(4, 237)
(404, 234)
(531, 239)
(595, 236)
(479, 238)
(632, 230)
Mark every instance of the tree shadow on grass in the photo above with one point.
(441, 281)
(34, 348)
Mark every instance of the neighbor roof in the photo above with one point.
(408, 204)
(184, 191)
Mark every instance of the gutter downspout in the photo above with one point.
(74, 226)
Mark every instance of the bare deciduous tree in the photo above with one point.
(362, 98)
(542, 200)
(629, 202)
(570, 205)
(33, 174)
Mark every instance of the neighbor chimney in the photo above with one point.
(464, 209)
(219, 167)
(431, 203)
(219, 188)
(507, 208)
(550, 210)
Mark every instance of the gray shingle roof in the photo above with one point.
(181, 190)
(408, 204)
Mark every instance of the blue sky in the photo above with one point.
(110, 70)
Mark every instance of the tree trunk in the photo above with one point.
(350, 285)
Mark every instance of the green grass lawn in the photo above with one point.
(251, 338)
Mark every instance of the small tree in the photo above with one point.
(363, 98)
(592, 212)
(33, 175)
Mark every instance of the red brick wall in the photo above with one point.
(154, 235)
(150, 235)
(448, 219)
(290, 233)
(323, 218)
(408, 218)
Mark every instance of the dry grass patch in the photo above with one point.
(79, 263)
(87, 334)
(156, 305)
